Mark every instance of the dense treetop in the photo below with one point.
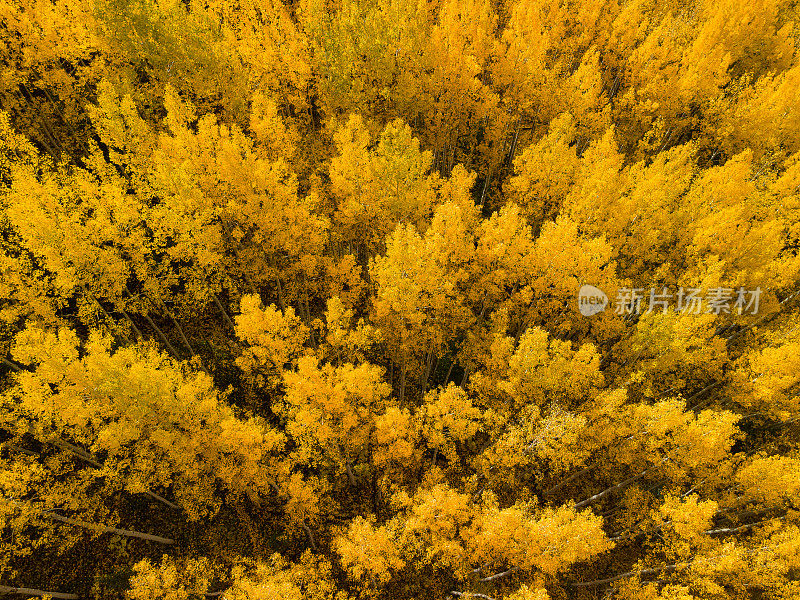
(289, 299)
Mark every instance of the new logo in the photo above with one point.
(591, 300)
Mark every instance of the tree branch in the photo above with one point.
(4, 589)
(472, 595)
(499, 575)
(652, 571)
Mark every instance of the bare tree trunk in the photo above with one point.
(607, 491)
(86, 457)
(161, 499)
(449, 370)
(280, 293)
(431, 371)
(111, 323)
(178, 327)
(485, 184)
(11, 365)
(500, 575)
(135, 328)
(95, 527)
(513, 148)
(23, 591)
(652, 571)
(18, 449)
(310, 537)
(423, 383)
(308, 321)
(79, 452)
(472, 595)
(403, 380)
(350, 476)
(163, 337)
(158, 331)
(464, 378)
(104, 529)
(569, 479)
(224, 313)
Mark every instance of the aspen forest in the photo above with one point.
(400, 299)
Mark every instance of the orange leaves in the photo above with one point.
(330, 411)
(770, 480)
(539, 370)
(275, 339)
(379, 186)
(550, 541)
(448, 415)
(368, 552)
(144, 412)
(170, 579)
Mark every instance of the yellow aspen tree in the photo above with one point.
(673, 351)
(269, 57)
(545, 171)
(586, 98)
(369, 553)
(548, 541)
(345, 339)
(563, 258)
(274, 339)
(88, 261)
(535, 394)
(309, 578)
(651, 72)
(50, 51)
(523, 69)
(330, 412)
(727, 44)
(176, 44)
(449, 419)
(419, 305)
(158, 422)
(526, 593)
(30, 489)
(170, 579)
(758, 115)
(728, 202)
(397, 453)
(598, 183)
(379, 184)
(636, 208)
(455, 98)
(364, 54)
(400, 201)
(432, 525)
(765, 378)
(229, 199)
(26, 291)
